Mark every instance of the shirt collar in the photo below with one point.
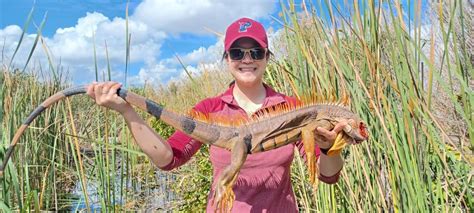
(272, 97)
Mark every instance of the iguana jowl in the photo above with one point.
(268, 131)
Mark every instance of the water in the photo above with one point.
(153, 196)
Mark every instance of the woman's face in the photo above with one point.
(248, 71)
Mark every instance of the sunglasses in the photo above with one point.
(238, 54)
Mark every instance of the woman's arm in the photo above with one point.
(330, 165)
(153, 145)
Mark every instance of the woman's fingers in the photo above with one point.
(105, 94)
(98, 93)
(114, 88)
(326, 137)
(107, 86)
(90, 90)
(331, 134)
(339, 126)
(326, 134)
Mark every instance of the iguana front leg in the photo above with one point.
(307, 136)
(223, 194)
(309, 143)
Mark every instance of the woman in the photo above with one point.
(263, 183)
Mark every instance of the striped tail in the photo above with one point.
(47, 103)
(201, 131)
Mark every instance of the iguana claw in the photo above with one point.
(223, 198)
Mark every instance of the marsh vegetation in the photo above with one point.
(409, 80)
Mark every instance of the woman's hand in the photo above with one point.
(157, 149)
(326, 138)
(105, 94)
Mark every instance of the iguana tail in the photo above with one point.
(204, 132)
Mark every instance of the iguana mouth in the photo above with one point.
(363, 130)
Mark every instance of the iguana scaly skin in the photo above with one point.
(288, 124)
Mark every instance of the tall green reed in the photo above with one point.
(20, 182)
(410, 164)
(74, 155)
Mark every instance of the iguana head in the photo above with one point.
(356, 127)
(357, 130)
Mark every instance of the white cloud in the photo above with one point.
(177, 16)
(9, 38)
(171, 68)
(73, 47)
(10, 32)
(76, 44)
(201, 55)
(156, 73)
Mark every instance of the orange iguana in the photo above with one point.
(270, 130)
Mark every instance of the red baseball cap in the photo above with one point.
(245, 27)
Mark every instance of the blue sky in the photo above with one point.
(65, 13)
(160, 29)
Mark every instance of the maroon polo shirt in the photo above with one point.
(263, 183)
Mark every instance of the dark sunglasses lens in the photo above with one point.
(257, 53)
(236, 54)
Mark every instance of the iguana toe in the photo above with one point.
(223, 198)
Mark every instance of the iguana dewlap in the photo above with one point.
(279, 127)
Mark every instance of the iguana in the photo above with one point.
(271, 129)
